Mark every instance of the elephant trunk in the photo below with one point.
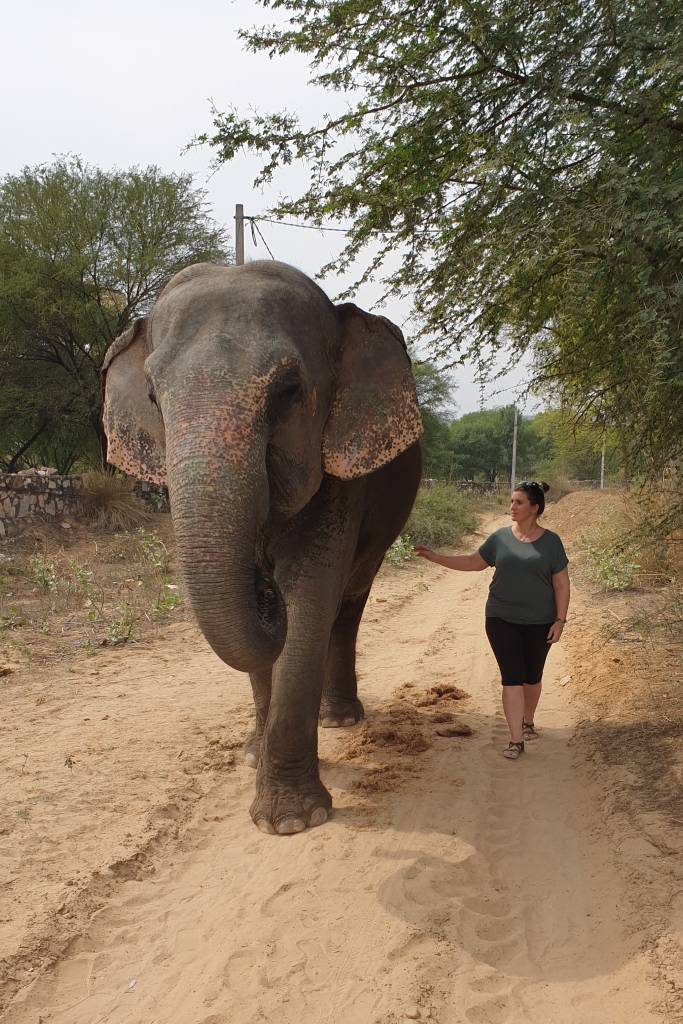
(219, 501)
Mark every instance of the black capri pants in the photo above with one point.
(520, 650)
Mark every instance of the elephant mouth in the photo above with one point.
(270, 606)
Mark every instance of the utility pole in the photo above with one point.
(239, 234)
(513, 471)
(602, 468)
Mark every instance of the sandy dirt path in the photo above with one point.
(450, 884)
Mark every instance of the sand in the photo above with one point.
(449, 885)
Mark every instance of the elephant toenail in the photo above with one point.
(265, 826)
(330, 723)
(319, 816)
(251, 760)
(288, 826)
(349, 721)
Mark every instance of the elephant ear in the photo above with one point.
(374, 414)
(136, 442)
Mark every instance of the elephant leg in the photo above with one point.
(312, 573)
(261, 683)
(340, 705)
(289, 794)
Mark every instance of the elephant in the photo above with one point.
(287, 431)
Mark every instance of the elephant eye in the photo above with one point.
(152, 397)
(290, 393)
(286, 396)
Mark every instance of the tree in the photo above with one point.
(82, 252)
(528, 161)
(481, 443)
(434, 392)
(573, 450)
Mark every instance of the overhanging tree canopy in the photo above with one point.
(528, 159)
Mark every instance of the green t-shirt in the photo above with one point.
(522, 590)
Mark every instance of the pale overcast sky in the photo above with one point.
(131, 83)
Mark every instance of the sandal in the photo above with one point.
(513, 750)
(529, 731)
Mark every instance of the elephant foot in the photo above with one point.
(340, 712)
(281, 808)
(252, 750)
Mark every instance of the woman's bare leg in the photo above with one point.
(532, 694)
(513, 706)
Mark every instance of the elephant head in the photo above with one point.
(240, 390)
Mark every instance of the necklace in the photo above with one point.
(528, 538)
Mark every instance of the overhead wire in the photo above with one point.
(293, 224)
(255, 229)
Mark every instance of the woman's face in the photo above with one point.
(521, 508)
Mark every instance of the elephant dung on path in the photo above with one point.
(287, 430)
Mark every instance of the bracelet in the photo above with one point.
(563, 621)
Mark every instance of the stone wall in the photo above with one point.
(32, 492)
(44, 493)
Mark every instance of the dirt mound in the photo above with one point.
(398, 729)
(578, 512)
(436, 694)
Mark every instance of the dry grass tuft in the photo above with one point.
(108, 500)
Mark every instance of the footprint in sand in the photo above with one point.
(494, 1011)
(491, 984)
(488, 907)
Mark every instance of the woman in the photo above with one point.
(527, 605)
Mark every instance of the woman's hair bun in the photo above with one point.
(544, 486)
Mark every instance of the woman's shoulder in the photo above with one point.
(502, 531)
(552, 536)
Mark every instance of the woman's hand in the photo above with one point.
(555, 632)
(424, 553)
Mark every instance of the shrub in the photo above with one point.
(154, 551)
(441, 515)
(121, 628)
(108, 499)
(610, 563)
(165, 601)
(559, 485)
(628, 545)
(613, 553)
(400, 551)
(44, 573)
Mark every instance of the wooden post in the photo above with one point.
(239, 234)
(602, 468)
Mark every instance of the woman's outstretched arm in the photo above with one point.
(466, 563)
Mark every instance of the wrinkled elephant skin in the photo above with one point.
(287, 430)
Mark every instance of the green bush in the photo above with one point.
(400, 551)
(44, 572)
(121, 628)
(441, 515)
(610, 557)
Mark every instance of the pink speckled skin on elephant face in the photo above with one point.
(286, 429)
